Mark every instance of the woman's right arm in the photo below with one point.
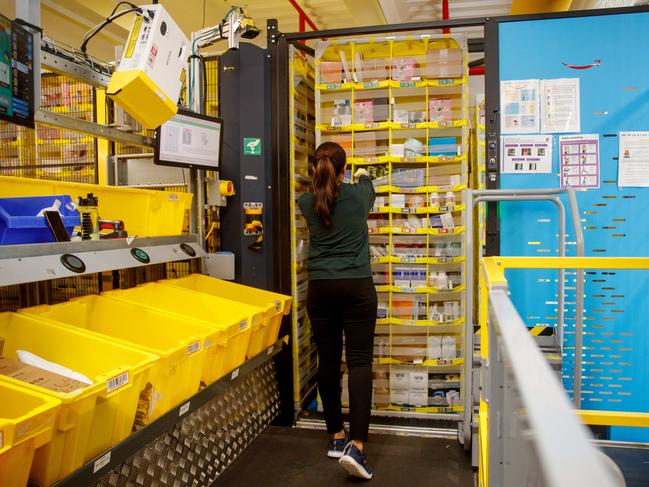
(366, 188)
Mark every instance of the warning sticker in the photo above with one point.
(152, 55)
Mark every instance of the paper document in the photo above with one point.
(560, 105)
(519, 106)
(633, 164)
(579, 161)
(526, 154)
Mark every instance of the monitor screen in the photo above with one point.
(189, 139)
(16, 73)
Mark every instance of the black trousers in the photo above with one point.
(348, 306)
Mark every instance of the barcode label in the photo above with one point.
(183, 409)
(193, 347)
(269, 351)
(243, 325)
(235, 374)
(117, 382)
(173, 197)
(278, 305)
(418, 362)
(443, 362)
(101, 462)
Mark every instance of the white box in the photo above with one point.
(449, 350)
(434, 349)
(399, 378)
(418, 399)
(397, 150)
(399, 396)
(398, 200)
(401, 276)
(418, 380)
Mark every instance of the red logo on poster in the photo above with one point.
(597, 62)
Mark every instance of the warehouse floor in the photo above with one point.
(290, 457)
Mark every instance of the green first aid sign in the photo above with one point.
(251, 146)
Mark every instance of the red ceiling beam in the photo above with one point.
(445, 15)
(304, 17)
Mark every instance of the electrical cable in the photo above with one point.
(132, 5)
(95, 30)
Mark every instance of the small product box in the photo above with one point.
(399, 396)
(418, 380)
(401, 276)
(403, 68)
(400, 116)
(434, 348)
(418, 277)
(449, 350)
(364, 111)
(418, 398)
(442, 146)
(440, 109)
(380, 109)
(399, 378)
(416, 117)
(398, 200)
(342, 114)
(397, 150)
(331, 72)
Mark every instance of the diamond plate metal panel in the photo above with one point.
(201, 446)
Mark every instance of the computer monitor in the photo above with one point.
(16, 72)
(191, 140)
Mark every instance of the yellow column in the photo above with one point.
(102, 144)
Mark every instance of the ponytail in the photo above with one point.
(330, 159)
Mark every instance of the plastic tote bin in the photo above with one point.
(145, 212)
(26, 423)
(91, 419)
(20, 225)
(234, 320)
(180, 343)
(274, 305)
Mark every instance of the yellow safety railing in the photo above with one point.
(492, 276)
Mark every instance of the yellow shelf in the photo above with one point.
(383, 321)
(430, 159)
(371, 85)
(379, 231)
(426, 409)
(360, 161)
(428, 125)
(363, 127)
(426, 231)
(409, 231)
(331, 87)
(425, 260)
(427, 363)
(446, 231)
(426, 290)
(382, 289)
(399, 321)
(380, 260)
(432, 210)
(334, 128)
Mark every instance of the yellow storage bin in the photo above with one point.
(234, 320)
(274, 305)
(146, 213)
(180, 343)
(91, 419)
(26, 423)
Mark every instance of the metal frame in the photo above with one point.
(93, 471)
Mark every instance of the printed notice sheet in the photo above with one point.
(519, 106)
(633, 164)
(579, 161)
(525, 154)
(560, 106)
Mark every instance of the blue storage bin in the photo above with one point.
(20, 225)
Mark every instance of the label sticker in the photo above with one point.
(101, 462)
(235, 374)
(278, 305)
(173, 197)
(193, 347)
(183, 409)
(243, 325)
(269, 351)
(117, 382)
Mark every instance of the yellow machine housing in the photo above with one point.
(149, 77)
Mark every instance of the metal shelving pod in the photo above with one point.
(302, 140)
(399, 107)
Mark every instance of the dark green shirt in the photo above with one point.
(341, 250)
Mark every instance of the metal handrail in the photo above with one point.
(473, 198)
(530, 413)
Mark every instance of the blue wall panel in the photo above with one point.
(615, 222)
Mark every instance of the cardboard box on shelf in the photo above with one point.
(364, 111)
(403, 68)
(36, 376)
(440, 109)
(449, 348)
(380, 397)
(399, 377)
(444, 63)
(331, 72)
(399, 396)
(380, 109)
(418, 398)
(374, 69)
(418, 380)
